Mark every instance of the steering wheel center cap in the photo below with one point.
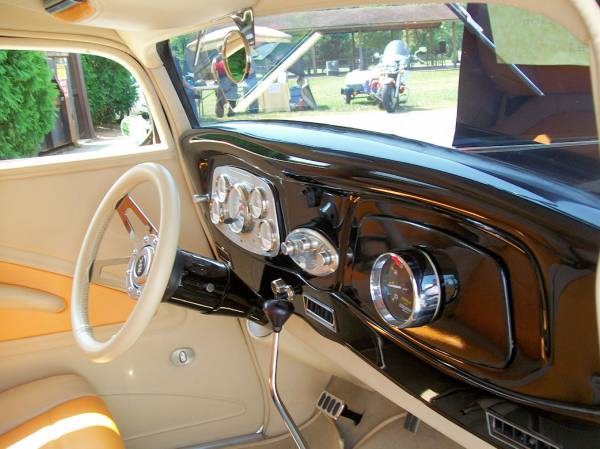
(139, 266)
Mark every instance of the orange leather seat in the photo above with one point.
(59, 412)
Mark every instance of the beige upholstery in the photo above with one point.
(60, 411)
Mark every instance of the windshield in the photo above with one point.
(489, 79)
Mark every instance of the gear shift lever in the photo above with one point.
(278, 311)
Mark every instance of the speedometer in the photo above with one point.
(405, 288)
(237, 209)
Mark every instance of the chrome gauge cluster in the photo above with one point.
(242, 206)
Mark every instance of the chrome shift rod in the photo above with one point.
(278, 311)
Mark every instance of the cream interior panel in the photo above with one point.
(45, 216)
(377, 381)
(300, 383)
(156, 403)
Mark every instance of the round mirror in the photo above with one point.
(236, 56)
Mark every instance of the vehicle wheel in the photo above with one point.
(348, 97)
(388, 98)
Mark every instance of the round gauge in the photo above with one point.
(405, 288)
(223, 186)
(258, 203)
(216, 212)
(237, 209)
(266, 235)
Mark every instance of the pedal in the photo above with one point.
(334, 407)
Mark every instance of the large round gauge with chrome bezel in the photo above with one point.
(223, 186)
(258, 203)
(216, 212)
(266, 235)
(238, 212)
(406, 289)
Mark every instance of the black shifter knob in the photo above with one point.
(278, 311)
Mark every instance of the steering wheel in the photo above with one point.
(148, 268)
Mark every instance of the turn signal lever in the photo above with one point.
(278, 310)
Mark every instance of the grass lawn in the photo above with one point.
(428, 90)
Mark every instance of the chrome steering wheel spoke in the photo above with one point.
(127, 203)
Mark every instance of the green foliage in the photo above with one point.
(110, 87)
(336, 46)
(27, 102)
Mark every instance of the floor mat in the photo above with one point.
(319, 432)
(393, 435)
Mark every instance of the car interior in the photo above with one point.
(293, 255)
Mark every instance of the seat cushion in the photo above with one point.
(56, 412)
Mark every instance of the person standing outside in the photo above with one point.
(227, 94)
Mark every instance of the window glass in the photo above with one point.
(64, 103)
(488, 79)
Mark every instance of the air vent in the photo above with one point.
(320, 312)
(515, 436)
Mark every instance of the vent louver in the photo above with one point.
(320, 312)
(515, 436)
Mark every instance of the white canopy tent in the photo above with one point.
(213, 39)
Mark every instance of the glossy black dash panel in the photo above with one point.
(473, 327)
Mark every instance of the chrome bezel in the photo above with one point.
(423, 299)
(272, 240)
(217, 214)
(223, 187)
(377, 296)
(236, 224)
(258, 212)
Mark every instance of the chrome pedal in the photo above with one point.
(334, 407)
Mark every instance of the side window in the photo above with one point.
(65, 103)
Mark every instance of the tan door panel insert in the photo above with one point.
(107, 305)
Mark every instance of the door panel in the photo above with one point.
(107, 306)
(46, 209)
(155, 403)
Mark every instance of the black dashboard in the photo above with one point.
(503, 265)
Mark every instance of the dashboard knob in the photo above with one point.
(407, 290)
(311, 251)
(296, 247)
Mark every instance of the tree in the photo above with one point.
(111, 89)
(27, 102)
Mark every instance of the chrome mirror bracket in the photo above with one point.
(244, 20)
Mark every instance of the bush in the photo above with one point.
(110, 87)
(27, 102)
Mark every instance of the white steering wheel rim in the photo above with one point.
(160, 269)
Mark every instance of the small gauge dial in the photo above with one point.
(406, 289)
(258, 203)
(266, 235)
(216, 212)
(223, 186)
(237, 209)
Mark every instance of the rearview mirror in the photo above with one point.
(236, 56)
